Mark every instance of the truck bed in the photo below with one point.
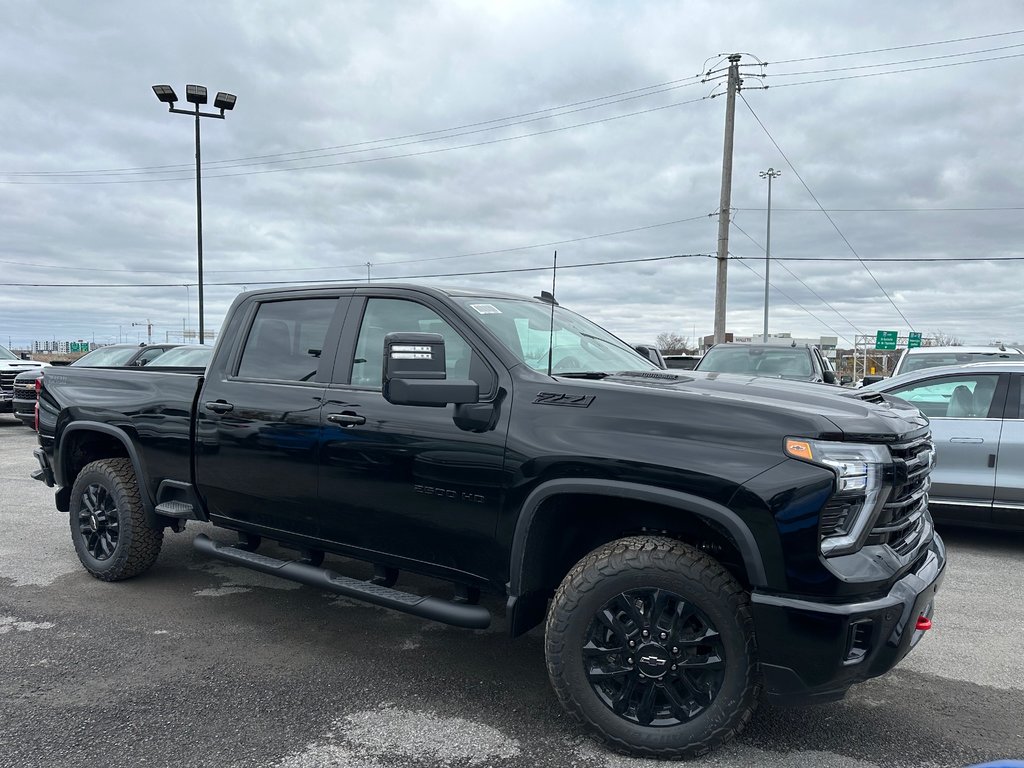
(155, 408)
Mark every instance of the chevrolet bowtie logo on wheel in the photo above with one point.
(656, 660)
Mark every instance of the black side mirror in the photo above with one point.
(414, 372)
(829, 377)
(872, 379)
(844, 380)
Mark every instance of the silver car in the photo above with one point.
(977, 418)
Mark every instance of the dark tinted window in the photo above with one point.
(286, 339)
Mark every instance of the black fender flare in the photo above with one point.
(133, 457)
(695, 505)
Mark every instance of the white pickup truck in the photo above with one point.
(10, 366)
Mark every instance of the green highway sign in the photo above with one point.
(913, 340)
(886, 339)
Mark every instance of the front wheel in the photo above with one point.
(651, 644)
(108, 522)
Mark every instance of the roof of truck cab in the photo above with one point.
(435, 290)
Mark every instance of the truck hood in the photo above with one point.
(19, 365)
(772, 405)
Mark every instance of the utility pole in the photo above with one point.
(721, 279)
(149, 330)
(770, 174)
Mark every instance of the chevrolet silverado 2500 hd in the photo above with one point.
(692, 541)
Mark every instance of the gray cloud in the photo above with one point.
(325, 76)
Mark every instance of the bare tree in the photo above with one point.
(940, 339)
(672, 343)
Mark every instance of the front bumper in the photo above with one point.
(811, 650)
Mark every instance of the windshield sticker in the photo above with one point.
(486, 309)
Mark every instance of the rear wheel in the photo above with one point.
(650, 643)
(108, 522)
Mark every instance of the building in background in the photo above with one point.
(62, 347)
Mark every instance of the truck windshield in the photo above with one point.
(107, 357)
(935, 359)
(6, 354)
(576, 344)
(781, 362)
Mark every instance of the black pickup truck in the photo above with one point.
(693, 541)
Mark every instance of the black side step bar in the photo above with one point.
(457, 614)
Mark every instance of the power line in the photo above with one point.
(830, 219)
(369, 159)
(895, 71)
(900, 47)
(805, 309)
(383, 263)
(805, 285)
(886, 210)
(893, 63)
(899, 259)
(496, 124)
(545, 268)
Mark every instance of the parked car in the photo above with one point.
(919, 358)
(10, 366)
(977, 418)
(798, 362)
(185, 356)
(113, 356)
(681, 362)
(652, 353)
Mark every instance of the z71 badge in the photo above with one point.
(561, 398)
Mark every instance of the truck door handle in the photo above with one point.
(218, 407)
(972, 440)
(347, 419)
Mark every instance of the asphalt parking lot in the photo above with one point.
(199, 663)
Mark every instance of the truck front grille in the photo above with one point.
(7, 380)
(24, 391)
(901, 522)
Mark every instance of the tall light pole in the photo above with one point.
(196, 94)
(770, 174)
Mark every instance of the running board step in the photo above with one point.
(179, 509)
(457, 614)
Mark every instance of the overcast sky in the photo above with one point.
(457, 137)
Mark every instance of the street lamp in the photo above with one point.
(196, 94)
(770, 174)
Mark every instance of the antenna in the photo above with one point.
(551, 327)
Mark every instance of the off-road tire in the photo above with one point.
(122, 544)
(654, 563)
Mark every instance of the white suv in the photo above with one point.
(931, 357)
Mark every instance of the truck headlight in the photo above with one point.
(859, 489)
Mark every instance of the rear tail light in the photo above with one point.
(39, 388)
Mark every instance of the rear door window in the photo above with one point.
(286, 339)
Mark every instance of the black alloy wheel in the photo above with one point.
(650, 643)
(112, 535)
(98, 521)
(653, 658)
